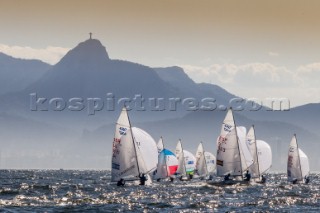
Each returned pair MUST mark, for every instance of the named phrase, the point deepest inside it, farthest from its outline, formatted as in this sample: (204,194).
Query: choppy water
(91,191)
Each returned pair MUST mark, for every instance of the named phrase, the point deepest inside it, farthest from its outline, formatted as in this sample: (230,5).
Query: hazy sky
(253,48)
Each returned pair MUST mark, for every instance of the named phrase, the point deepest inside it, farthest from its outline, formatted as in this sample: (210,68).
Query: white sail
(210,162)
(252,145)
(201,166)
(294,166)
(228,124)
(190,162)
(264,156)
(124,158)
(228,155)
(160,145)
(246,157)
(147,152)
(167,164)
(304,161)
(180,156)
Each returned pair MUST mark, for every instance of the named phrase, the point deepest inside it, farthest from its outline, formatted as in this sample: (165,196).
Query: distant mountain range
(17,74)
(85,140)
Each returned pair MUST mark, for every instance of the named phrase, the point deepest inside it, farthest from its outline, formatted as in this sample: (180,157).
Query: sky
(254,49)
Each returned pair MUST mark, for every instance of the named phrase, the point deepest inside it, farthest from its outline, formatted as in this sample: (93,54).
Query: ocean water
(91,191)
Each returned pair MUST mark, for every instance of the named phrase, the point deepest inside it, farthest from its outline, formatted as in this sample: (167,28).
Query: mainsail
(124,157)
(228,150)
(205,161)
(252,145)
(186,160)
(261,154)
(180,155)
(298,163)
(201,166)
(245,155)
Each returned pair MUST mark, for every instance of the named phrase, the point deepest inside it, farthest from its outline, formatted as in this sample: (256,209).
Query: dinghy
(261,154)
(205,163)
(186,162)
(232,156)
(298,163)
(134,151)
(167,163)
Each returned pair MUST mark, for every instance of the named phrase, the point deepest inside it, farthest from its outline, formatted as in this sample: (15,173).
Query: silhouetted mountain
(177,78)
(88,72)
(304,116)
(17,74)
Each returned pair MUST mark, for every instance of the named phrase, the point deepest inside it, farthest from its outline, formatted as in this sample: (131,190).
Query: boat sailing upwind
(134,151)
(167,162)
(261,154)
(298,162)
(186,161)
(232,156)
(205,162)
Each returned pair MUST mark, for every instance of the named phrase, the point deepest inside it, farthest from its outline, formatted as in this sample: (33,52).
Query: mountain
(40,117)
(86,72)
(177,78)
(304,116)
(17,74)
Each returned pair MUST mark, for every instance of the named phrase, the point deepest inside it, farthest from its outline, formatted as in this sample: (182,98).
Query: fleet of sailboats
(239,153)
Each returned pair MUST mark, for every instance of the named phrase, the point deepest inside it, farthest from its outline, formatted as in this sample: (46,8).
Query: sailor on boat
(247,176)
(142,180)
(121,182)
(263,179)
(306,179)
(227,177)
(294,181)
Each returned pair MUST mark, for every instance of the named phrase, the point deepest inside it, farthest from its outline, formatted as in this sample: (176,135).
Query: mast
(234,123)
(133,141)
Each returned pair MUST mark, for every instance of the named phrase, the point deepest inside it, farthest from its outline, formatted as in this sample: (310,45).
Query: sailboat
(261,154)
(232,156)
(298,163)
(186,162)
(167,162)
(205,162)
(167,165)
(134,151)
